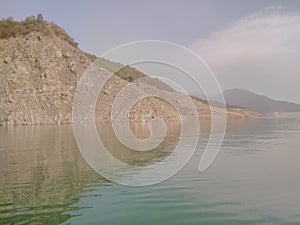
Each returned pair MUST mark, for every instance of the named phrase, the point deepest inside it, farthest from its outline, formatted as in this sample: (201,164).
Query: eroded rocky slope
(39,74)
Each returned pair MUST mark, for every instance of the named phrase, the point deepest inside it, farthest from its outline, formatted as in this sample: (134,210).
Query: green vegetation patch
(125,72)
(10,28)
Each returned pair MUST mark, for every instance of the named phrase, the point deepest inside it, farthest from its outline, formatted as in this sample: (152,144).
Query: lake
(254,180)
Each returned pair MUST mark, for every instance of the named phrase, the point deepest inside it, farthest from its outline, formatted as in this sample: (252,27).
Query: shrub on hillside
(10,28)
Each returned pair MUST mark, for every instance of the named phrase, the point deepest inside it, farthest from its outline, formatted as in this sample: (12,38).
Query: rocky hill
(126,72)
(258,103)
(39,71)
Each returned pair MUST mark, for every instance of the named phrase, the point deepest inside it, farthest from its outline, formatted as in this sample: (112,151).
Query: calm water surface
(255,180)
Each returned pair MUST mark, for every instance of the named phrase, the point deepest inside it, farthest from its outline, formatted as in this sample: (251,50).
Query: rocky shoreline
(39,75)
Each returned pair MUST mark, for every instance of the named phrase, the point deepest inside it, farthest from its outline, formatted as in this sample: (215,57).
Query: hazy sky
(249,44)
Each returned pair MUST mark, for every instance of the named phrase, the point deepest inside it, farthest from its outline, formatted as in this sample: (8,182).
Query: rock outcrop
(38,77)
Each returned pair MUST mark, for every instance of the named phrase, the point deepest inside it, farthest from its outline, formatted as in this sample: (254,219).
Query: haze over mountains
(256,102)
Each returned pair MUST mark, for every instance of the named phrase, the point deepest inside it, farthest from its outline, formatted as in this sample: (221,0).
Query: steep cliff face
(39,75)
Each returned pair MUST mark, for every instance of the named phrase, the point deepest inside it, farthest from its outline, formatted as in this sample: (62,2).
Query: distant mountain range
(255,102)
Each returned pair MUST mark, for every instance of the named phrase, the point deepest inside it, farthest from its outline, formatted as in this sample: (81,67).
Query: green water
(255,180)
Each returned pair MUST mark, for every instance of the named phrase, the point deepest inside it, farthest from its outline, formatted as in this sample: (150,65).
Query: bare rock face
(37,83)
(39,75)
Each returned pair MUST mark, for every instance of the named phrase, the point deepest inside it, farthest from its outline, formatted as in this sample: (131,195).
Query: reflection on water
(40,171)
(132,157)
(255,179)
